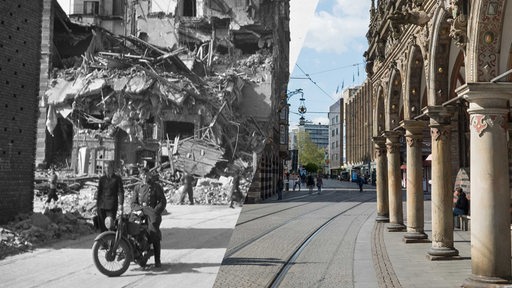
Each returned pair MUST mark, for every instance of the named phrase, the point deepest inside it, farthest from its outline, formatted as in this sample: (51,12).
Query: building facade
(319,133)
(439,76)
(336,137)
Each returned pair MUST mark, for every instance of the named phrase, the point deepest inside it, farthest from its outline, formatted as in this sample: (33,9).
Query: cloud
(340,29)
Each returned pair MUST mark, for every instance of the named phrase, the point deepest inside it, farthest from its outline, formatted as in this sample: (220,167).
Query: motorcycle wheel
(111,267)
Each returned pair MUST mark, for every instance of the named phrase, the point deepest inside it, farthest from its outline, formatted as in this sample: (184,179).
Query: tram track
(278,278)
(233,250)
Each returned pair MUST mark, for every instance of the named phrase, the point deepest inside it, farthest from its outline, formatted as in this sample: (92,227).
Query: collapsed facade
(203,99)
(439,87)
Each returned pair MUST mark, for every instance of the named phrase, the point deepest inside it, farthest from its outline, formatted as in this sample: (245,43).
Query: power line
(309,77)
(337,68)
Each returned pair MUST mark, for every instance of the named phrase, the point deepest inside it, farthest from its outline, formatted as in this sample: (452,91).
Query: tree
(309,152)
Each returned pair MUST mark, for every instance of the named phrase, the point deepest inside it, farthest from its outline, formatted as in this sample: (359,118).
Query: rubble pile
(126,85)
(27,231)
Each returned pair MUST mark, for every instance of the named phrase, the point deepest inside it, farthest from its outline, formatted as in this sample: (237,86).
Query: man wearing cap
(110,193)
(149,198)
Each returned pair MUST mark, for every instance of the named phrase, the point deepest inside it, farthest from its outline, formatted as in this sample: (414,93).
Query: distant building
(319,133)
(335,137)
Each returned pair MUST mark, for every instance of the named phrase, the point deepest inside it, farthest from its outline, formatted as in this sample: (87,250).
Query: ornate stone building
(439,73)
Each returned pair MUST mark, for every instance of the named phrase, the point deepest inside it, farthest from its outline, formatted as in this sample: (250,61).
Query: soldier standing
(149,198)
(110,193)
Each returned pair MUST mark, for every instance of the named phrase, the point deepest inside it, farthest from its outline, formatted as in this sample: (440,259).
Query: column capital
(392,136)
(488,104)
(379,141)
(486,98)
(413,126)
(392,141)
(440,115)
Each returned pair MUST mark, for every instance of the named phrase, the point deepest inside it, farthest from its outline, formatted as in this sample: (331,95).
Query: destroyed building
(198,90)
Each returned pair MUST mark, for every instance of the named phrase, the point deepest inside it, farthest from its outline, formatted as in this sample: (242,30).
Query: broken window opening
(60,145)
(176,128)
(91,7)
(146,158)
(248,48)
(189,8)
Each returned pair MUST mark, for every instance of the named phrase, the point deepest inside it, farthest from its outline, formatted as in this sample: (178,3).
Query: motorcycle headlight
(109,223)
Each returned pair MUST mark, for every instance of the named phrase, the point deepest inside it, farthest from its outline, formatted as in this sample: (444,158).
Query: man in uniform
(110,193)
(188,189)
(149,198)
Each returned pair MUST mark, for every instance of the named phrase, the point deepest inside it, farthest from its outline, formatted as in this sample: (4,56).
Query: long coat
(151,200)
(110,192)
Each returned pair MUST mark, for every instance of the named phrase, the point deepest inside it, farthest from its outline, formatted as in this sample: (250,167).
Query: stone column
(442,184)
(396,214)
(490,195)
(382,179)
(415,208)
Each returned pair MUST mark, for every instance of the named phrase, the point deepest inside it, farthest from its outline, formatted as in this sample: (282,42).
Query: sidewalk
(410,266)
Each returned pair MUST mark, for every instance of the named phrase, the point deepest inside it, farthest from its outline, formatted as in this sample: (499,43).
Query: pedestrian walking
(310,182)
(360,182)
(236,195)
(188,189)
(109,195)
(280,186)
(319,183)
(296,181)
(52,194)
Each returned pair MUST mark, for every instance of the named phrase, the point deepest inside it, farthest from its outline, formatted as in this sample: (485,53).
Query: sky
(327,43)
(331,54)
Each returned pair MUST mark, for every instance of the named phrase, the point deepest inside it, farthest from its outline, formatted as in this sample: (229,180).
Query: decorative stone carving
(480,122)
(409,15)
(458,31)
(380,151)
(440,133)
(423,39)
(393,148)
(381,49)
(458,19)
(414,141)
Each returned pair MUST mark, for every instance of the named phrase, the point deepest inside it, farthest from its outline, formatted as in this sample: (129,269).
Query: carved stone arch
(413,83)
(379,116)
(394,101)
(458,77)
(439,59)
(485,26)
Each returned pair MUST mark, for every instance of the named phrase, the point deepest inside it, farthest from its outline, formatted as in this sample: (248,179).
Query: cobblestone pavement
(259,249)
(352,251)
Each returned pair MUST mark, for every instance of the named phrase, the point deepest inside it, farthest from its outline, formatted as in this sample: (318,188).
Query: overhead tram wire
(337,68)
(309,77)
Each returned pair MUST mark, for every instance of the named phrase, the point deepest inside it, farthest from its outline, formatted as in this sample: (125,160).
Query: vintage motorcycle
(114,250)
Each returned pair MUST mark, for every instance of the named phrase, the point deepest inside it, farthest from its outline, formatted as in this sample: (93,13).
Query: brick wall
(20,43)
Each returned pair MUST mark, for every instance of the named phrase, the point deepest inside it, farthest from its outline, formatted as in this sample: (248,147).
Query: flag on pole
(343,84)
(337,89)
